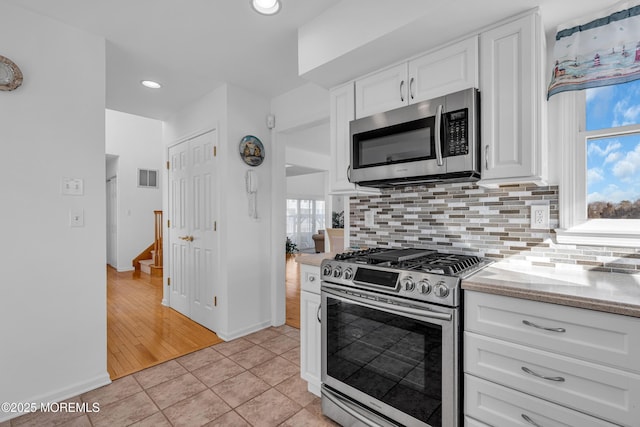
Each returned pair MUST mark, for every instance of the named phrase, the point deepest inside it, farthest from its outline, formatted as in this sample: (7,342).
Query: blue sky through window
(613,164)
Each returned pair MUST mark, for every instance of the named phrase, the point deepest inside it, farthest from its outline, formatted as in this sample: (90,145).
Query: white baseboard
(242,332)
(62,394)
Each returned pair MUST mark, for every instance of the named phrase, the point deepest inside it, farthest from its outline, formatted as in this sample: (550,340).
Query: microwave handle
(438,131)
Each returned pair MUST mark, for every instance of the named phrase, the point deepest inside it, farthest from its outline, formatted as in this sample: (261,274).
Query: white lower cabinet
(500,406)
(310,331)
(520,367)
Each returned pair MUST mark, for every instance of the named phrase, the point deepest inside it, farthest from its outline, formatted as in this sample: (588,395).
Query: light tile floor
(250,381)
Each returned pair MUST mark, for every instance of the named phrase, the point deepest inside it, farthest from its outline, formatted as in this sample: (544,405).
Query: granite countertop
(314,259)
(610,292)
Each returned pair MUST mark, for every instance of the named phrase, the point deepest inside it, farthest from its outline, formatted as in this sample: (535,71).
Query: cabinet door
(444,71)
(512,99)
(310,346)
(341,112)
(382,91)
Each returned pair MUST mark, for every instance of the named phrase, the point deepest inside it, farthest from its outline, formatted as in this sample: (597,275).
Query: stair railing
(157,244)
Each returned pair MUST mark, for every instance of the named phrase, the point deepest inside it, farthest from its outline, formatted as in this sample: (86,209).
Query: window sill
(602,232)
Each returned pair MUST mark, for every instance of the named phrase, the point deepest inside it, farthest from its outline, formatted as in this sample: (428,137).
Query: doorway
(112,210)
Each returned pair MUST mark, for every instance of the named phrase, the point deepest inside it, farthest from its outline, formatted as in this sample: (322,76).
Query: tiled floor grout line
(260,371)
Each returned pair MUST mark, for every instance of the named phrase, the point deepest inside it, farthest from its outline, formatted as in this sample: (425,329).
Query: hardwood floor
(293,292)
(141,332)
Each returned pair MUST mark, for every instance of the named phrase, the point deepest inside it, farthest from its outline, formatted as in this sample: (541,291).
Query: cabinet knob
(312,278)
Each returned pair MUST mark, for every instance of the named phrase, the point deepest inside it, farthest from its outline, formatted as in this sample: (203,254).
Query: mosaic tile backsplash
(464,218)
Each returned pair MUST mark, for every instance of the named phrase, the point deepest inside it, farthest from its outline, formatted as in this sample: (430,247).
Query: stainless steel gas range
(391,337)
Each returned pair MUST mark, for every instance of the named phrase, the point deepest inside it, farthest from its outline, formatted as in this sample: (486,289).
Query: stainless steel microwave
(430,141)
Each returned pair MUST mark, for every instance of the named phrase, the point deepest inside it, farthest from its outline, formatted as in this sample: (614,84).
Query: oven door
(389,356)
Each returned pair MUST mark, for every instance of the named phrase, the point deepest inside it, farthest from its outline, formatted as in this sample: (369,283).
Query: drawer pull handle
(312,278)
(535,374)
(318,313)
(530,421)
(533,325)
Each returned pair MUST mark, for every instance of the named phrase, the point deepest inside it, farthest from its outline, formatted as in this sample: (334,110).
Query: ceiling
(194,46)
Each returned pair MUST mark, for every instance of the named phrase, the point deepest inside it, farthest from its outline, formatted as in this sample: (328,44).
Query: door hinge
(168,281)
(167,164)
(215,225)
(215,151)
(215,301)
(168,223)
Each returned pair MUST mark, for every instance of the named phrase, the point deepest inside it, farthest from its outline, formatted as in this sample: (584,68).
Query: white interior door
(202,213)
(178,228)
(192,231)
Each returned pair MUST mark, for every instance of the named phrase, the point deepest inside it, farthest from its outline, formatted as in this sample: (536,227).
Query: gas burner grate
(450,265)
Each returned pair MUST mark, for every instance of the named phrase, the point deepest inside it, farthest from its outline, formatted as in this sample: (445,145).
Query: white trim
(62,394)
(603,232)
(245,331)
(575,228)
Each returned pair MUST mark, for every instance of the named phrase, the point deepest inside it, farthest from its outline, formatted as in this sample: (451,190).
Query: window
(304,219)
(613,157)
(600,180)
(147,178)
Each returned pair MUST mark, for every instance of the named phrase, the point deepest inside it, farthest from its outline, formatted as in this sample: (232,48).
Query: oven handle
(348,408)
(394,309)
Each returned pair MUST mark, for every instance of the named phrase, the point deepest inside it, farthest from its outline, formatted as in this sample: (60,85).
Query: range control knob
(424,287)
(337,272)
(348,274)
(326,271)
(407,284)
(441,290)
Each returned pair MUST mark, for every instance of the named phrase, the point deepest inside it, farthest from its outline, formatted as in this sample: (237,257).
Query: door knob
(187,238)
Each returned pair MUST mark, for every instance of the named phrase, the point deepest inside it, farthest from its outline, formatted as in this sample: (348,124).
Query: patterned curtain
(598,50)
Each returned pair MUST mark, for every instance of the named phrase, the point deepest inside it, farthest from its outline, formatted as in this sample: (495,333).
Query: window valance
(598,51)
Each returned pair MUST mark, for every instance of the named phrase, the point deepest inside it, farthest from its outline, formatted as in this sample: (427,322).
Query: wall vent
(147,178)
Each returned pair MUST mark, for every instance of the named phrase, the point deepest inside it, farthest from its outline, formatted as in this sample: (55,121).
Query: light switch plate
(72,186)
(540,217)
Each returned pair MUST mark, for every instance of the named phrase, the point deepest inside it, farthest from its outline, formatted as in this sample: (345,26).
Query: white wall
(244,301)
(138,143)
(300,108)
(53,293)
(310,186)
(248,241)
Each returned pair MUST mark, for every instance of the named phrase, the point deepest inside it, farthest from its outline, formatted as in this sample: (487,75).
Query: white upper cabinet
(341,112)
(512,103)
(382,91)
(437,73)
(444,71)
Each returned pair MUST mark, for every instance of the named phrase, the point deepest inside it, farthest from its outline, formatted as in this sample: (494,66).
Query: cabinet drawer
(599,337)
(470,422)
(310,278)
(500,406)
(598,390)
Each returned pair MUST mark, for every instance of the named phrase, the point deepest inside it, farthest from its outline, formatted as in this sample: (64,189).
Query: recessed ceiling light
(266,7)
(151,84)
